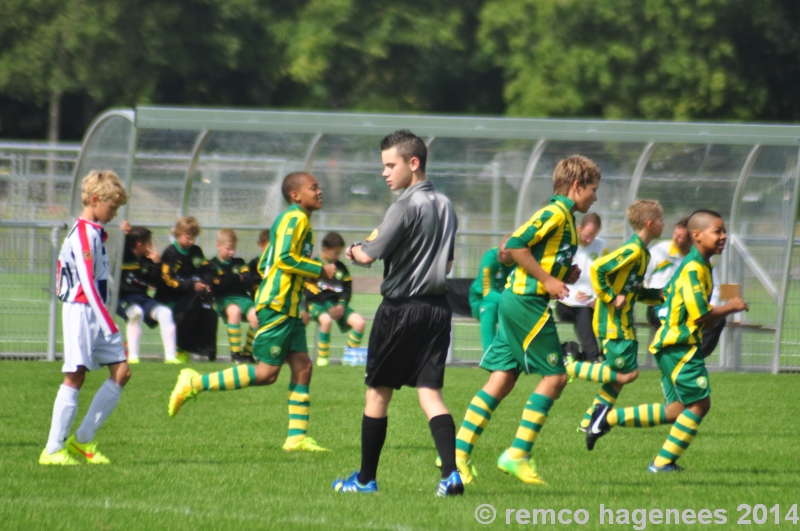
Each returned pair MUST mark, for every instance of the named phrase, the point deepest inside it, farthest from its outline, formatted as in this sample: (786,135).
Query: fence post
(55,240)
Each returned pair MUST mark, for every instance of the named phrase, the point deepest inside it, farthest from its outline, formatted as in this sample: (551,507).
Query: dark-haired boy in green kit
(281,336)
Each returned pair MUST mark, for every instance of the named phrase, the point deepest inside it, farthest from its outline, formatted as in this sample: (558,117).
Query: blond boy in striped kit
(676,349)
(617,278)
(281,336)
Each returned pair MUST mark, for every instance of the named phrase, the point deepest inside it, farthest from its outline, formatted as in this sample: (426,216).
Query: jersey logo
(593,256)
(537,224)
(275,352)
(552,359)
(235,270)
(702,383)
(87,255)
(373,235)
(338,275)
(196,261)
(619,362)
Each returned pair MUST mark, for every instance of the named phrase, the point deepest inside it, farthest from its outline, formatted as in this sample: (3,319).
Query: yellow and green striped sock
(479,413)
(299,405)
(235,338)
(607,395)
(644,416)
(237,377)
(680,437)
(324,344)
(248,345)
(354,339)
(591,372)
(533,418)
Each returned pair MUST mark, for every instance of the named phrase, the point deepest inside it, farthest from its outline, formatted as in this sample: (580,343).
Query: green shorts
(527,339)
(315,310)
(684,377)
(244,304)
(277,336)
(622,355)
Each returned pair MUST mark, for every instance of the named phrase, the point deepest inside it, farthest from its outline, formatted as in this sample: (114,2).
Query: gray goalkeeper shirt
(415,242)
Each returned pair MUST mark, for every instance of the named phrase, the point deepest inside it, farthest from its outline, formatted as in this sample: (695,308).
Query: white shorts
(84,341)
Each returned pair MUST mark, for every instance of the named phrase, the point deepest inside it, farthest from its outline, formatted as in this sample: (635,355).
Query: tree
(655,59)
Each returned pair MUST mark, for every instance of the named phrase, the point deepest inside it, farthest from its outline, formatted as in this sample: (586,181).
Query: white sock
(134,329)
(64,410)
(166,325)
(103,404)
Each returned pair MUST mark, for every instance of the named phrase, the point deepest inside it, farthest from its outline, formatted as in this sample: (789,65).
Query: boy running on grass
(281,336)
(617,279)
(527,340)
(677,351)
(91,339)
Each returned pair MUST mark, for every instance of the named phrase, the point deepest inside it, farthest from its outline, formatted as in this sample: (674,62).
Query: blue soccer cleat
(669,467)
(352,484)
(452,486)
(598,426)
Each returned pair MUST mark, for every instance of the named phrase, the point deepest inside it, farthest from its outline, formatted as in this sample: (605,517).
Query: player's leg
(166,326)
(233,320)
(541,352)
(133,331)
(65,408)
(299,402)
(356,333)
(324,337)
(252,320)
(488,322)
(608,371)
(621,358)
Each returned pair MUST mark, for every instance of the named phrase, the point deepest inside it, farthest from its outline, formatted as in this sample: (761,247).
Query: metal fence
(225,167)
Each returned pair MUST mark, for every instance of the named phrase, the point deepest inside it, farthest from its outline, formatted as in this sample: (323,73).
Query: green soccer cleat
(466,469)
(87,451)
(61,457)
(133,360)
(182,392)
(306,444)
(183,357)
(174,361)
(322,361)
(524,469)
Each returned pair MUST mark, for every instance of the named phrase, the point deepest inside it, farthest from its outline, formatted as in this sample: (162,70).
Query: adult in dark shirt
(411,332)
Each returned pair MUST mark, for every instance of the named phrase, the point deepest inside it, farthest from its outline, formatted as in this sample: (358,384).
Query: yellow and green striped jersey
(687,296)
(550,235)
(288,261)
(620,273)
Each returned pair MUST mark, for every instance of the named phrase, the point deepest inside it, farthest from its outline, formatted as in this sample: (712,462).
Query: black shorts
(408,343)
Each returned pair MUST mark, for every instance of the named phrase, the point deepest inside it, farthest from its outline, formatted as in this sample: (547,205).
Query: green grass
(219,463)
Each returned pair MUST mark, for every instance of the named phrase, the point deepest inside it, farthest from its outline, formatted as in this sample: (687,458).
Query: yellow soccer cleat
(87,451)
(466,469)
(174,361)
(322,361)
(183,357)
(133,360)
(61,457)
(182,392)
(522,469)
(306,444)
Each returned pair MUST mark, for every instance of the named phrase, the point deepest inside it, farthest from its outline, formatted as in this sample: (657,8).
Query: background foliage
(63,61)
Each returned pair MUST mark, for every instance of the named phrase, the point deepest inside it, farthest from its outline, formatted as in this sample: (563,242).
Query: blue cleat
(452,486)
(669,467)
(352,484)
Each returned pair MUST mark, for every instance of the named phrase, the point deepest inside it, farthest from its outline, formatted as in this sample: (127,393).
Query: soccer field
(219,463)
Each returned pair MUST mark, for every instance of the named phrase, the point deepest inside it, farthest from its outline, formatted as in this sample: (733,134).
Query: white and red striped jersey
(83,271)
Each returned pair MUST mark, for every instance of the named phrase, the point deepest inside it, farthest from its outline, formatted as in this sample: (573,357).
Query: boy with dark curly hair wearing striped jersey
(618,278)
(281,336)
(527,340)
(677,349)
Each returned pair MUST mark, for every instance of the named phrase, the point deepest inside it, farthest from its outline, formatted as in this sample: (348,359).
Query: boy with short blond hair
(617,279)
(184,271)
(230,285)
(91,339)
(677,349)
(281,336)
(329,300)
(527,340)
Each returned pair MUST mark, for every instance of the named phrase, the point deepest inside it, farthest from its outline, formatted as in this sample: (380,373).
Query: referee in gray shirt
(410,335)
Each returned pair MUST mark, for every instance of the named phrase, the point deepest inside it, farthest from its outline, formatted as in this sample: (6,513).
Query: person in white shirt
(578,307)
(665,258)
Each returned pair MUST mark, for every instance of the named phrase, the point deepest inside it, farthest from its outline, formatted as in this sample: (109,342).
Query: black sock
(373,434)
(443,430)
